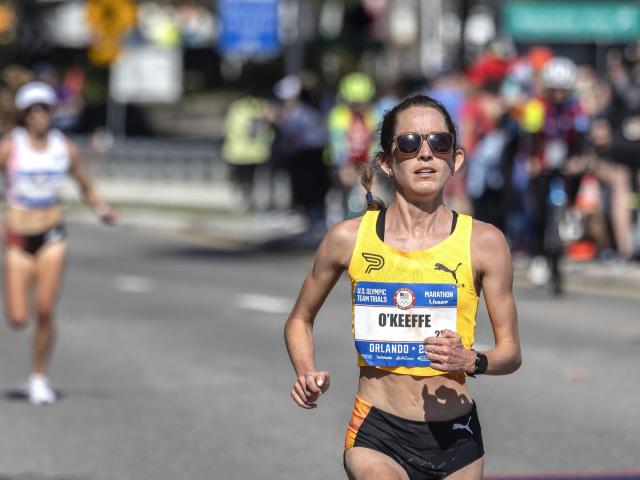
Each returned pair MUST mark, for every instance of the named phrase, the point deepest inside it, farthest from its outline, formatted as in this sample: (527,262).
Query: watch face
(481,362)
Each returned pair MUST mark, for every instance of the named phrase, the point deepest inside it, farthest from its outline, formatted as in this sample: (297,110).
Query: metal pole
(294,52)
(431,48)
(462,49)
(116,114)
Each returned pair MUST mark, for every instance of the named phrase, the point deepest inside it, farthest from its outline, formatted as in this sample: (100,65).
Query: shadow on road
(36,476)
(199,248)
(20,395)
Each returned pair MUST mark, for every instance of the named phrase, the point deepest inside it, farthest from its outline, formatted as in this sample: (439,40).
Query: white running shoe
(40,392)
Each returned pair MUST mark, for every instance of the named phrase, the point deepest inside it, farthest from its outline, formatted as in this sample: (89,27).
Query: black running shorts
(426,450)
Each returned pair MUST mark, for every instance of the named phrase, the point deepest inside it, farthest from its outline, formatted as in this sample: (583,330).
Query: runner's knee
(45,316)
(17,321)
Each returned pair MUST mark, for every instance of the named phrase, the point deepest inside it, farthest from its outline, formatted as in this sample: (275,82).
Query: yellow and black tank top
(400,298)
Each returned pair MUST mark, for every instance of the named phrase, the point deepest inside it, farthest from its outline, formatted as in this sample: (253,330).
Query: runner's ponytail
(366,179)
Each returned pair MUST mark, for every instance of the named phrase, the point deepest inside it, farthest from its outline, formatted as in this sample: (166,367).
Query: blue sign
(393,354)
(248,27)
(405,295)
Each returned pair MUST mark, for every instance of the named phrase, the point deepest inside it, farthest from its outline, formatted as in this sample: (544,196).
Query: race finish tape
(392,320)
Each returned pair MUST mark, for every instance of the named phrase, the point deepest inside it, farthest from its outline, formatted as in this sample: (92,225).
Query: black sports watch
(481,364)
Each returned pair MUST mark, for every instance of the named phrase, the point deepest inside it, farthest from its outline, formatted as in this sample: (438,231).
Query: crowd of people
(553,148)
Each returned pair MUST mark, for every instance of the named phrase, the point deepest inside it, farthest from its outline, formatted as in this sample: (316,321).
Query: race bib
(36,189)
(392,320)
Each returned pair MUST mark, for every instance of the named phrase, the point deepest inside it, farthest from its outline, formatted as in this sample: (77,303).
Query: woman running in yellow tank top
(416,271)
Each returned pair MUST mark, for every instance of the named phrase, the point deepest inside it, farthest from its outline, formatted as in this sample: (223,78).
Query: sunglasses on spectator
(411,143)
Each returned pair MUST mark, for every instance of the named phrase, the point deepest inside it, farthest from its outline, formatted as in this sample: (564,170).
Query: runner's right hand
(309,387)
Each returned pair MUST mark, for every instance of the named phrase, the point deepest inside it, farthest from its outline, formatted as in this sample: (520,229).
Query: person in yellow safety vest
(248,139)
(352,124)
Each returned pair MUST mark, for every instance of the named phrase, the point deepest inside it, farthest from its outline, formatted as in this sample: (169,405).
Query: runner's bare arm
(106,212)
(331,260)
(494,272)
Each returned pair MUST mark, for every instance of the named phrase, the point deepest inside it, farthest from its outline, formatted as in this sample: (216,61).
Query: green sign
(571,21)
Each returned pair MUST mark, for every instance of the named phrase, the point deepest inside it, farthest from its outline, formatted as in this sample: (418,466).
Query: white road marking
(133,284)
(264,303)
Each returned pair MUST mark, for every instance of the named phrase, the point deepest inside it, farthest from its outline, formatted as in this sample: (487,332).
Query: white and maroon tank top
(33,177)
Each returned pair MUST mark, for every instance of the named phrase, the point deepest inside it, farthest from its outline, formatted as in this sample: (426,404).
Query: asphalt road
(171,364)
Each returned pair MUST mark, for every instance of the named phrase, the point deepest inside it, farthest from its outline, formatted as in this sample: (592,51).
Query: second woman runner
(35,159)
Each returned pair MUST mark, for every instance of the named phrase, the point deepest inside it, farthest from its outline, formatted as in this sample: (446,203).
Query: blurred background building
(171,60)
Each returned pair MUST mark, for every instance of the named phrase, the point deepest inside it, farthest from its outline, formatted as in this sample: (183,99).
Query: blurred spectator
(352,124)
(491,164)
(515,91)
(594,97)
(247,143)
(390,95)
(447,87)
(480,115)
(71,98)
(7,120)
(554,127)
(298,146)
(13,77)
(616,136)
(537,57)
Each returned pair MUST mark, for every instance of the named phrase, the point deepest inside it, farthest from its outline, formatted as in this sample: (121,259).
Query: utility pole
(292,37)
(462,49)
(431,42)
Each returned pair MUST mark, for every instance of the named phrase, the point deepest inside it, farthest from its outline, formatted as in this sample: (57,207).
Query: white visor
(34,93)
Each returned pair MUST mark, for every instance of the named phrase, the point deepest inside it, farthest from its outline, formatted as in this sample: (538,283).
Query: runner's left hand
(447,353)
(107,214)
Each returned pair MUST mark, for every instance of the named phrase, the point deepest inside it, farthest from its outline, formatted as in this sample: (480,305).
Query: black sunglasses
(411,143)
